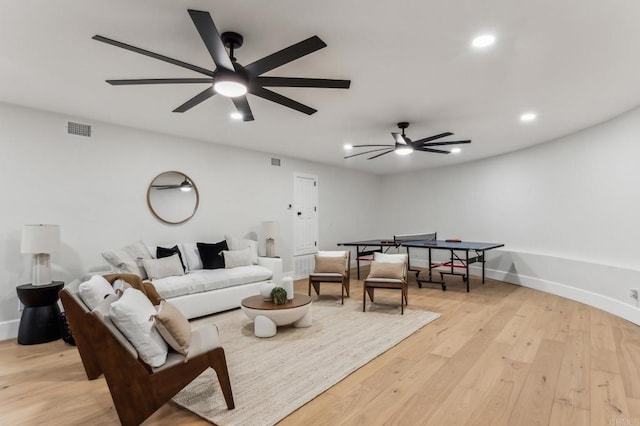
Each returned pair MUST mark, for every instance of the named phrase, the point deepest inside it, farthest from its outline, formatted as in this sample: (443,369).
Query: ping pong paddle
(454,240)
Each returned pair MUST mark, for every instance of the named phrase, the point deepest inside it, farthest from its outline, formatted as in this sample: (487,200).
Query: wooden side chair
(387,271)
(331,267)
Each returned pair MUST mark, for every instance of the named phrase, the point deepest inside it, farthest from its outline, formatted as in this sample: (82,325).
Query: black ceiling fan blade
(153,55)
(366,152)
(200,97)
(446,143)
(242,105)
(436,151)
(282,100)
(284,56)
(376,156)
(363,146)
(302,82)
(399,139)
(431,138)
(211,38)
(159,81)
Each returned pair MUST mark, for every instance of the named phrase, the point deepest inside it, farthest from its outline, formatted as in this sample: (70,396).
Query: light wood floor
(500,355)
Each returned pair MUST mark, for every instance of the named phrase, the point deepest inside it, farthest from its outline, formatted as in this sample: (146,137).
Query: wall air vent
(78,129)
(275,162)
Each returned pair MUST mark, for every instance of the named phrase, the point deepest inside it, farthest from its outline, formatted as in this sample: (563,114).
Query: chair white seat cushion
(384,280)
(203,339)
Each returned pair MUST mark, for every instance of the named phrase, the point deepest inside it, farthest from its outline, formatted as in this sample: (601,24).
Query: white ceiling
(574,62)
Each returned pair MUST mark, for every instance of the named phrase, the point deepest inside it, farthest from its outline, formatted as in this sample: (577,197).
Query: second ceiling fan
(403,145)
(229,77)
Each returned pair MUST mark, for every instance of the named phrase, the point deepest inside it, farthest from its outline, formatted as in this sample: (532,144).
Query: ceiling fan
(231,79)
(404,146)
(184,186)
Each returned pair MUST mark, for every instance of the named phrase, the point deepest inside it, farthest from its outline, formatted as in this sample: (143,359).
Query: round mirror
(173,197)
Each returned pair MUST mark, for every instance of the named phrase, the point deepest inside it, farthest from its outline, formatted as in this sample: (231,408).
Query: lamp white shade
(270,229)
(40,238)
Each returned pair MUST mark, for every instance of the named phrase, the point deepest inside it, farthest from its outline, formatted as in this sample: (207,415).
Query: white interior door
(305,214)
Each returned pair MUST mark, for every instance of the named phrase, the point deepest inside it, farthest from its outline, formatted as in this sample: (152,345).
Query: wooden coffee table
(267,316)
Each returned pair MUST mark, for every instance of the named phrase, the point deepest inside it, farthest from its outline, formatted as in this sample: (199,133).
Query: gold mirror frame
(168,179)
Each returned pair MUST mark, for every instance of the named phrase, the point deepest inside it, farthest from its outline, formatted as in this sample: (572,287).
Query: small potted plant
(279,295)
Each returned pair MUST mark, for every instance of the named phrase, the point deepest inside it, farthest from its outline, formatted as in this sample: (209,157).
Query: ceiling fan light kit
(230,79)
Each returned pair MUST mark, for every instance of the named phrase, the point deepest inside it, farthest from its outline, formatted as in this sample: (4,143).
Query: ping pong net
(399,239)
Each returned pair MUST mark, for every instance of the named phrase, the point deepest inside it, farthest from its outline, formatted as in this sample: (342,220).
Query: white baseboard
(590,275)
(605,303)
(9,329)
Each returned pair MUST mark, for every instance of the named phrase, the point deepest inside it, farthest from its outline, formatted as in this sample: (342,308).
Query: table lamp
(40,240)
(270,232)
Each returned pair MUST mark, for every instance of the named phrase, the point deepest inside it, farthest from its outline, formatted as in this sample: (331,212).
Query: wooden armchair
(137,389)
(387,271)
(77,312)
(331,267)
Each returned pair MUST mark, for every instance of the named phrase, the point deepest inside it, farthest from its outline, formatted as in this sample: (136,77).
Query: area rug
(273,377)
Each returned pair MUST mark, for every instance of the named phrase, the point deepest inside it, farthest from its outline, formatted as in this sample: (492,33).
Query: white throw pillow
(235,258)
(163,267)
(94,291)
(242,243)
(191,256)
(389,258)
(132,314)
(128,259)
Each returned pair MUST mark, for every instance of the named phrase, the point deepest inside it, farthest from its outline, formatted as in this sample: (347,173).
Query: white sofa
(201,291)
(206,291)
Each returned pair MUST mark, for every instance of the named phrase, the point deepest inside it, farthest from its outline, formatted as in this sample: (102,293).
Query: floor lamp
(270,232)
(40,240)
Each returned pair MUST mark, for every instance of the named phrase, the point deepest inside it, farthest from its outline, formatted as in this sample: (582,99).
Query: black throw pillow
(168,252)
(211,254)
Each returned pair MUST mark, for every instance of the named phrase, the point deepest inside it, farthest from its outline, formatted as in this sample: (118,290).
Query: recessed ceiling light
(456,150)
(484,40)
(236,115)
(348,146)
(528,116)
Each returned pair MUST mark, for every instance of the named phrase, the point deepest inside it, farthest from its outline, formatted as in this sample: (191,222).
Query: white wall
(568,212)
(95,189)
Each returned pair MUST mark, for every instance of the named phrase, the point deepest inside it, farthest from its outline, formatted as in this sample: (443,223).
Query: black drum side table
(40,321)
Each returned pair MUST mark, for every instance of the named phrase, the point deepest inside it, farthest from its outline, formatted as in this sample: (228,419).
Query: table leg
(264,327)
(358,260)
(482,254)
(305,321)
(466,261)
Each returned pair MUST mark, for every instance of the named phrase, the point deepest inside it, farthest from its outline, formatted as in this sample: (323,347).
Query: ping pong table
(459,258)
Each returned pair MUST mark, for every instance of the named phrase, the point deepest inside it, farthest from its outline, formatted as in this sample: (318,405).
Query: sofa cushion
(211,254)
(94,291)
(330,264)
(242,243)
(235,258)
(192,256)
(210,279)
(392,270)
(127,259)
(163,267)
(174,327)
(132,314)
(167,252)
